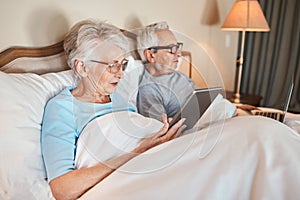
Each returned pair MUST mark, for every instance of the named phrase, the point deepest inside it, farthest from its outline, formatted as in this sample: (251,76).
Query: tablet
(195,105)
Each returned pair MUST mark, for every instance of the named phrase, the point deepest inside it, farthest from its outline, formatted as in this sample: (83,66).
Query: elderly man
(162,89)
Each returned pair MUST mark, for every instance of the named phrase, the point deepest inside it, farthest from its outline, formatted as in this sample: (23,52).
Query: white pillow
(129,84)
(23,98)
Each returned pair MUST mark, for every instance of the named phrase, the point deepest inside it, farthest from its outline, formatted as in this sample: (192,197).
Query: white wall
(196,22)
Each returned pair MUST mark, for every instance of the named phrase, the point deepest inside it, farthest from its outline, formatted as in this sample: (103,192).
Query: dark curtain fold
(272,59)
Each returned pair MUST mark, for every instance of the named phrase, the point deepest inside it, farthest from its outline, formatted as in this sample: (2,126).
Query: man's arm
(150,102)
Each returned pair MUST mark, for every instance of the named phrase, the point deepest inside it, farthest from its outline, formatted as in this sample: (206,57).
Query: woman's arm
(76,182)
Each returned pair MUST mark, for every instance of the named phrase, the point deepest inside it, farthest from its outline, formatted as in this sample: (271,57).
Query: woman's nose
(120,73)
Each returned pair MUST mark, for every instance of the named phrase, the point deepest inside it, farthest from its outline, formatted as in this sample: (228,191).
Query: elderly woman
(95,52)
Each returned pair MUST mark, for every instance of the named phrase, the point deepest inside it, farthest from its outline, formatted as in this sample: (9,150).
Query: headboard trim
(15,52)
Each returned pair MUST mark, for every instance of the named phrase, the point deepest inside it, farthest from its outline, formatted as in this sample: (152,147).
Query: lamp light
(245,15)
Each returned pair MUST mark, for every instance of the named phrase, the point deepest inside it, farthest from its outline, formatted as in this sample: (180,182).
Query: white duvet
(246,157)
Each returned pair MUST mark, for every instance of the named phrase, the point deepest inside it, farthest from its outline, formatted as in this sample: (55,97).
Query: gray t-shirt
(163,94)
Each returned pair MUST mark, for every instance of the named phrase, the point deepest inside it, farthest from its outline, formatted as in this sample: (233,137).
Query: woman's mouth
(114,84)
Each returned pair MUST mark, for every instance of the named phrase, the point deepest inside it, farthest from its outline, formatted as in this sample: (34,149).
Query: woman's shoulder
(58,106)
(61,97)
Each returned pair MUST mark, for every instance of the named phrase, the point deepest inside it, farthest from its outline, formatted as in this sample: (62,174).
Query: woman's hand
(247,107)
(163,135)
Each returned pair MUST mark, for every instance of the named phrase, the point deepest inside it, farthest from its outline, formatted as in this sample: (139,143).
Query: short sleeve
(58,138)
(150,102)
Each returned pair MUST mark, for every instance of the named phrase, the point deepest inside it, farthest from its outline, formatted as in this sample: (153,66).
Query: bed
(244,157)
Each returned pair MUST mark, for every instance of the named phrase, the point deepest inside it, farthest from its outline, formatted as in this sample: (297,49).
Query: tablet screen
(195,105)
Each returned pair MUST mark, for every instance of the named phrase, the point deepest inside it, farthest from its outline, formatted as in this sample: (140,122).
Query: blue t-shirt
(64,119)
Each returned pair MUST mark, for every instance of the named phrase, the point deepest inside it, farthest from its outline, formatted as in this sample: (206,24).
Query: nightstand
(246,98)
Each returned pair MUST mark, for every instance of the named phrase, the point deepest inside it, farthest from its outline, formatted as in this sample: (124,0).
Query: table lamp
(245,15)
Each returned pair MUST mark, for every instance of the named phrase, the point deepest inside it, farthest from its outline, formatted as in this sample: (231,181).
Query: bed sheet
(246,157)
(291,120)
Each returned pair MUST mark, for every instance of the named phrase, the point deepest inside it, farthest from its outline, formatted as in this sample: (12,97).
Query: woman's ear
(149,56)
(81,69)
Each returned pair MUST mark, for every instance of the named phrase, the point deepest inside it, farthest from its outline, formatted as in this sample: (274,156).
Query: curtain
(272,59)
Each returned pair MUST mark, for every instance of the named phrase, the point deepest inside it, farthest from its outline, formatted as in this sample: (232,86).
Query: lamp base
(236,98)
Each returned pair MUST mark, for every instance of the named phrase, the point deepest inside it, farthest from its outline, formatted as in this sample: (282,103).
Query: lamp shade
(246,15)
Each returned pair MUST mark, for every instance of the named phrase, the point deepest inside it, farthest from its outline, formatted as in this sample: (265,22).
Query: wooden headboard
(40,60)
(13,53)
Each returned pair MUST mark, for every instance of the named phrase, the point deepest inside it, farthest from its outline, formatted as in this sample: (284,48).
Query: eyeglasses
(113,67)
(173,48)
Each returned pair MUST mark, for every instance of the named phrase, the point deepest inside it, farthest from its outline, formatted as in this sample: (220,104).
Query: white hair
(86,35)
(147,37)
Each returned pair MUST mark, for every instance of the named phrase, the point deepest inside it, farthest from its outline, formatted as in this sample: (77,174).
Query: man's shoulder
(184,78)
(145,78)
(182,75)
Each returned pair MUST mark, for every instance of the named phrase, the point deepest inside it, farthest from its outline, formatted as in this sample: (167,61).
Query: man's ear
(81,68)
(149,56)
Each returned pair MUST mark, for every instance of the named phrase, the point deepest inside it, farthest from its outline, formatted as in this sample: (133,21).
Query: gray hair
(86,35)
(147,37)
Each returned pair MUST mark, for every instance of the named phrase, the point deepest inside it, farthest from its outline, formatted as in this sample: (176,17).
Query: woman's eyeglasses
(113,67)
(173,48)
